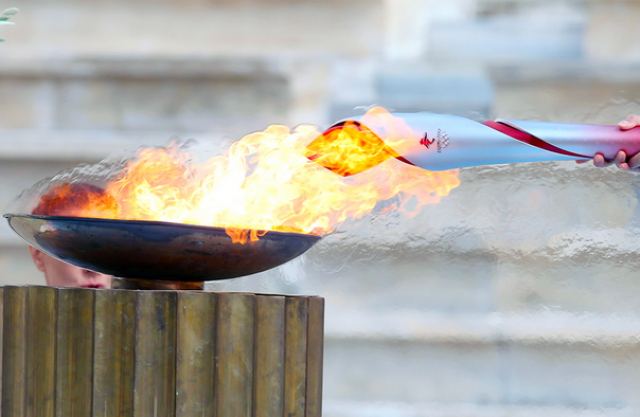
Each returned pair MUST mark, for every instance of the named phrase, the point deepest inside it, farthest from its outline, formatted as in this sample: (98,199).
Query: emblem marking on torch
(441,140)
(425,141)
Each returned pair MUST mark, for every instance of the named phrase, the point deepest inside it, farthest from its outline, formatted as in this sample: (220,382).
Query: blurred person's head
(66,200)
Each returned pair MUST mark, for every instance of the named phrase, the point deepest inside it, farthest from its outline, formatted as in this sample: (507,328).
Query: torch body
(440,142)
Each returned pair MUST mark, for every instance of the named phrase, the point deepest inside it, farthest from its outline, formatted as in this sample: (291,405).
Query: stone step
(453,374)
(553,361)
(40,146)
(233,96)
(538,32)
(196,27)
(452,91)
(572,91)
(550,328)
(374,408)
(176,95)
(135,95)
(474,283)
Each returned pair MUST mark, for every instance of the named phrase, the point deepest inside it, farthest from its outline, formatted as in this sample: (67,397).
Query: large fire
(264,182)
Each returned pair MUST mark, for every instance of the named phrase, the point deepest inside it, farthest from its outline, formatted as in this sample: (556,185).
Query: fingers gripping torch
(440,142)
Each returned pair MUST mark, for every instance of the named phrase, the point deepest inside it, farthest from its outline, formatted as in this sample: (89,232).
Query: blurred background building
(517,295)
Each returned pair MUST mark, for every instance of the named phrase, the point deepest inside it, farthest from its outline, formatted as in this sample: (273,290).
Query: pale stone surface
(224,96)
(196,28)
(530,32)
(410,24)
(613,32)
(436,409)
(482,374)
(567,92)
(462,91)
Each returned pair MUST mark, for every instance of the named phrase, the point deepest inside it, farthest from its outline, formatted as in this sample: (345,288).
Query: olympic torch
(441,142)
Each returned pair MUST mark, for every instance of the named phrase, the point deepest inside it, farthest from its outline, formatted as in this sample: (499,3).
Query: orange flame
(265,182)
(352,147)
(76,200)
(349,149)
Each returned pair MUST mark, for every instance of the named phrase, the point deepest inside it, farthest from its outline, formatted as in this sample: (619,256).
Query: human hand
(622,160)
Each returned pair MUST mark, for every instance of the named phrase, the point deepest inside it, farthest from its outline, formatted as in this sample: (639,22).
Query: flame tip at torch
(438,142)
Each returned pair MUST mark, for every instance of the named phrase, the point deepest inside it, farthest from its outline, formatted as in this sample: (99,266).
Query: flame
(77,200)
(265,182)
(348,149)
(352,147)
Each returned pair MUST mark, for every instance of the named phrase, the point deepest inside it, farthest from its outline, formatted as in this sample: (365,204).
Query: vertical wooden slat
(269,356)
(195,355)
(40,356)
(113,353)
(295,357)
(74,357)
(14,349)
(155,354)
(234,355)
(315,349)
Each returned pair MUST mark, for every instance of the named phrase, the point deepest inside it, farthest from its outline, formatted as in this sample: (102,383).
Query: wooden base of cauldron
(120,353)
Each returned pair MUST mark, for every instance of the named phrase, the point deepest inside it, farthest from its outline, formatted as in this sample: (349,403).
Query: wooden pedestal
(122,353)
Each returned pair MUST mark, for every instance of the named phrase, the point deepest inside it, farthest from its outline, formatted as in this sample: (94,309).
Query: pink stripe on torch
(529,139)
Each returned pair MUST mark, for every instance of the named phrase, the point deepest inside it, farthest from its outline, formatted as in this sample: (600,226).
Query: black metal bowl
(156,250)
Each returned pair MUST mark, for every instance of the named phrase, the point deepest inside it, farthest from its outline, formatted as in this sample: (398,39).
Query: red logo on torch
(441,140)
(426,142)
